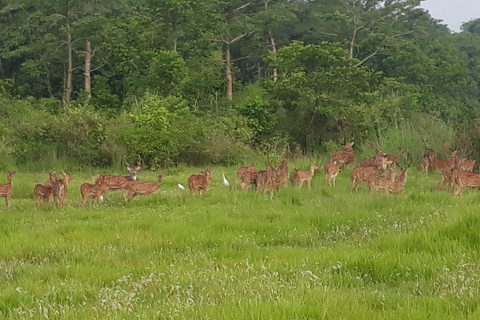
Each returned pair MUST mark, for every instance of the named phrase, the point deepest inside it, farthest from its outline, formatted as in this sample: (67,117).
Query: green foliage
(160,129)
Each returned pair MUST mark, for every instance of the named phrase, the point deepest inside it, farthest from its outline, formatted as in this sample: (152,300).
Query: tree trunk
(88,73)
(274,49)
(68,84)
(228,67)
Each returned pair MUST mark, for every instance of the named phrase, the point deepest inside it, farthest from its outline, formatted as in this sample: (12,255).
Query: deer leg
(7,200)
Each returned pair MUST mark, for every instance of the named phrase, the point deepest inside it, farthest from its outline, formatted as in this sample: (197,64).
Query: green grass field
(324,253)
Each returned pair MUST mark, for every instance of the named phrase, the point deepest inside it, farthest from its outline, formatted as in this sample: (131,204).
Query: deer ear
(129,169)
(352,143)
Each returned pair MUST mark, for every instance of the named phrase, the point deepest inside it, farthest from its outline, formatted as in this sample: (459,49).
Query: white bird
(181,187)
(225,181)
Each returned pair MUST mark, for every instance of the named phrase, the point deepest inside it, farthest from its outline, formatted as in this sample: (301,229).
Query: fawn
(332,168)
(96,191)
(300,176)
(200,182)
(6,189)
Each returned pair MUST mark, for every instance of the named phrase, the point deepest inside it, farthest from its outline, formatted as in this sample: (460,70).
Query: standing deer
(52,178)
(332,168)
(246,176)
(428,155)
(344,156)
(140,187)
(284,172)
(378,182)
(400,180)
(6,189)
(300,176)
(42,192)
(119,182)
(96,191)
(200,182)
(60,188)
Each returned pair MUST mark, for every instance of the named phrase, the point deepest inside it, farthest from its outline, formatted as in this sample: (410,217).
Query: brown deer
(200,182)
(428,155)
(119,182)
(462,163)
(300,176)
(246,175)
(378,182)
(464,179)
(375,160)
(140,187)
(96,191)
(6,189)
(60,188)
(332,168)
(42,192)
(344,156)
(401,179)
(284,172)
(360,174)
(52,178)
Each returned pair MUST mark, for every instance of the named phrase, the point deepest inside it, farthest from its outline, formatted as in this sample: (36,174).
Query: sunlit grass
(324,253)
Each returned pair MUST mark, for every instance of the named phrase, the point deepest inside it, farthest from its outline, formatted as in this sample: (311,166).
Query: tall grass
(320,253)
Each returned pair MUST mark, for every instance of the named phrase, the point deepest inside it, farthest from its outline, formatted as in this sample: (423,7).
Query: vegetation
(324,252)
(178,81)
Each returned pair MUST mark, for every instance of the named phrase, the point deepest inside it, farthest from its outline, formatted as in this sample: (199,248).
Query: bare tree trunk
(228,67)
(68,84)
(352,42)
(88,73)
(274,49)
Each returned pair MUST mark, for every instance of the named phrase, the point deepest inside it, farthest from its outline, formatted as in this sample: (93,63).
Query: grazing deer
(464,179)
(344,156)
(140,187)
(119,182)
(300,176)
(246,176)
(360,174)
(200,182)
(96,191)
(42,192)
(6,189)
(332,168)
(60,188)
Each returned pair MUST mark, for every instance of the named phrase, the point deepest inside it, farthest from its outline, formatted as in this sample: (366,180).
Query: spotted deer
(52,178)
(332,168)
(283,172)
(344,156)
(60,188)
(135,188)
(401,179)
(42,192)
(200,182)
(378,182)
(463,179)
(246,176)
(95,191)
(300,176)
(375,160)
(360,174)
(119,182)
(6,189)
(428,155)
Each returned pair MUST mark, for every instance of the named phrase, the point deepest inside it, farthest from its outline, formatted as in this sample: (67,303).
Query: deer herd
(378,173)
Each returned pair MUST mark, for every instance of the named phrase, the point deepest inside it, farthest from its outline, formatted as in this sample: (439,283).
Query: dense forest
(195,82)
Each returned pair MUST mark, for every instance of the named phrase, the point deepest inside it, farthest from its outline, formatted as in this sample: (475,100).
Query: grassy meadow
(324,253)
